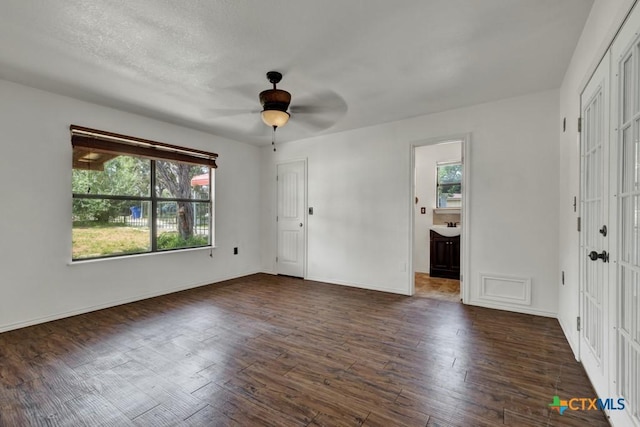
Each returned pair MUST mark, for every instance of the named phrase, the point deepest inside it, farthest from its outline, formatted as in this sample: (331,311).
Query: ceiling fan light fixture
(275,118)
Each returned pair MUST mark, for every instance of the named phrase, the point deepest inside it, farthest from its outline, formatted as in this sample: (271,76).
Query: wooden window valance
(92,148)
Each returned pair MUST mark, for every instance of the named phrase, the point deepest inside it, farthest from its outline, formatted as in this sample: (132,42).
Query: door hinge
(579,224)
(579,124)
(277,178)
(277,219)
(276,259)
(575,204)
(578,323)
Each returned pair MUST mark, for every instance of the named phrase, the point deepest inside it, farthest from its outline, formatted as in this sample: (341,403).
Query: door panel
(594,154)
(291,218)
(626,208)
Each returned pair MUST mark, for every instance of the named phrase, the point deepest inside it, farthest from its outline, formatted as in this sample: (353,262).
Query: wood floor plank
(211,417)
(122,394)
(280,393)
(267,350)
(95,410)
(32,403)
(158,416)
(165,392)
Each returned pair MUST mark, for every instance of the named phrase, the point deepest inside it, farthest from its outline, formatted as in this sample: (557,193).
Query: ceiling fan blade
(243,93)
(318,111)
(259,128)
(228,112)
(312,122)
(319,102)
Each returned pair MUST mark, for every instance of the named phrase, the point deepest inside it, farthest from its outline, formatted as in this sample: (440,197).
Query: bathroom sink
(445,231)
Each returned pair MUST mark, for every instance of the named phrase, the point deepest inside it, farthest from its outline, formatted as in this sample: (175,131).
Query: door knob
(300,224)
(603,230)
(594,256)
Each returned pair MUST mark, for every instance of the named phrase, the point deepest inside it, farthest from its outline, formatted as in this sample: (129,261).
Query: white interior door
(625,208)
(594,236)
(291,218)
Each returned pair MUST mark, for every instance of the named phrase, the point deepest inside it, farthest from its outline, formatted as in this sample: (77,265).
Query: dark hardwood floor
(277,351)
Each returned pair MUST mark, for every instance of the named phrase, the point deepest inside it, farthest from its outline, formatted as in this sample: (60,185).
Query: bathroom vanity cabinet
(445,256)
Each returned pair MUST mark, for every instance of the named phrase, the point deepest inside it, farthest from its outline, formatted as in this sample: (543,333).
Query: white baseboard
(359,285)
(514,308)
(567,335)
(57,316)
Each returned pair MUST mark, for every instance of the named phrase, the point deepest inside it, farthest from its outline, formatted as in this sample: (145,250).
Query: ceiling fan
(316,112)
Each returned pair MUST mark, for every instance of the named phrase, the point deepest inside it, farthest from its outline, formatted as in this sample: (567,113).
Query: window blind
(89,141)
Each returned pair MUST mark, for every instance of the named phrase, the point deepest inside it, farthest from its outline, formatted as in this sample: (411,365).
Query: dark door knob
(594,256)
(603,230)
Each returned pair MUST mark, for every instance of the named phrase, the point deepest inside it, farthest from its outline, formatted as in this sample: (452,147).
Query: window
(133,196)
(449,184)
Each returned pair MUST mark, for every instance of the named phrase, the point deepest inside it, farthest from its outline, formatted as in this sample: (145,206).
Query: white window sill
(446,211)
(146,254)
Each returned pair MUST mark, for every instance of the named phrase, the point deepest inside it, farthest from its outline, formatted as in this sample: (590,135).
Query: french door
(610,196)
(625,206)
(594,236)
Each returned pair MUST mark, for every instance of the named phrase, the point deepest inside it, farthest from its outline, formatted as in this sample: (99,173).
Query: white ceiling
(350,63)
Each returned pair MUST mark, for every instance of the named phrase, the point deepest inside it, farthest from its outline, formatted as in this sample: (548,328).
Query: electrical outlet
(235,251)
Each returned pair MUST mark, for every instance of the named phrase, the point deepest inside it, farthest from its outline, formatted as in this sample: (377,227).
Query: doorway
(438,215)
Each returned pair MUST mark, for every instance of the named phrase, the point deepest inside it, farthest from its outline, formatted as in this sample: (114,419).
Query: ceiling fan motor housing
(275,99)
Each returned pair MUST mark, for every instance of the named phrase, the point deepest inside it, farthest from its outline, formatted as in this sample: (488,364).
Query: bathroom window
(449,184)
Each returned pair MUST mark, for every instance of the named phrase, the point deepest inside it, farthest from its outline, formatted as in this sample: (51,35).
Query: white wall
(359,186)
(605,18)
(426,158)
(36,281)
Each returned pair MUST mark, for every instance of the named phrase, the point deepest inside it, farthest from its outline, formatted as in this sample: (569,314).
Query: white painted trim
(357,285)
(568,333)
(57,316)
(607,41)
(447,210)
(465,139)
(465,260)
(524,284)
(515,309)
(77,262)
(411,286)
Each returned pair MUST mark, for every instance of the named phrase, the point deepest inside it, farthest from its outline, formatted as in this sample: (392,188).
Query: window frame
(112,145)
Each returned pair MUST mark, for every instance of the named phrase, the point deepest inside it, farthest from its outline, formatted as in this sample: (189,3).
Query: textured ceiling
(347,64)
